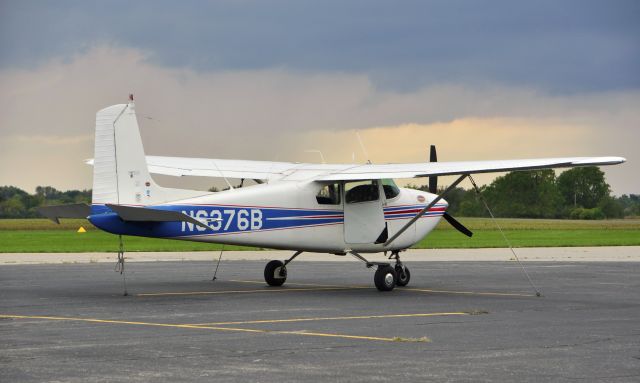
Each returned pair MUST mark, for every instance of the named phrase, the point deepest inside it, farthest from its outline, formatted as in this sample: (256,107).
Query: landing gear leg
(404,275)
(385,277)
(120,267)
(275,272)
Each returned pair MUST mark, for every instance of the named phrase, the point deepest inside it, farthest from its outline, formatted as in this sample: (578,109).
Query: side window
(391,190)
(361,191)
(329,195)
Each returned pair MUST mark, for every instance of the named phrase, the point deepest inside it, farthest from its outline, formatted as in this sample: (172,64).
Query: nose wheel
(404,275)
(402,271)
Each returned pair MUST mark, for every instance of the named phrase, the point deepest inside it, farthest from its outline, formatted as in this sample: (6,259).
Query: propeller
(433,189)
(460,227)
(433,180)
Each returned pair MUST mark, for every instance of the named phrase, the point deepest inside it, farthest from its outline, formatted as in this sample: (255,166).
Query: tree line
(578,193)
(17,203)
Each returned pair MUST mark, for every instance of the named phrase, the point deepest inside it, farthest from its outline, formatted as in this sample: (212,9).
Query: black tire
(404,276)
(385,278)
(270,273)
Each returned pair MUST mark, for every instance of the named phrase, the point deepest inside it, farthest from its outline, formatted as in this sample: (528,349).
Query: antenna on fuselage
(364,150)
(317,151)
(222,175)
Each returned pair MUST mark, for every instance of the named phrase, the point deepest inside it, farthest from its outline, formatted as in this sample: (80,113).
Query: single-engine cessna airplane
(335,209)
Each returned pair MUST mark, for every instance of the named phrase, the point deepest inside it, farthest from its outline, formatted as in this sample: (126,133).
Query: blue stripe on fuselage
(228,219)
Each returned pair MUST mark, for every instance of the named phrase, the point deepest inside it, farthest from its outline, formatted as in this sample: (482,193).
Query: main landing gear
(387,277)
(275,272)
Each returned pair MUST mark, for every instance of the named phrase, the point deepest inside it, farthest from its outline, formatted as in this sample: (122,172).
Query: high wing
(204,167)
(248,169)
(370,171)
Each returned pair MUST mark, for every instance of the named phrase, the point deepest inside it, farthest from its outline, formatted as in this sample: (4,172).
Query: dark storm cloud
(567,46)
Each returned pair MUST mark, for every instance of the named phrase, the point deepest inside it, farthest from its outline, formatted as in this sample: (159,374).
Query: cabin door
(363,212)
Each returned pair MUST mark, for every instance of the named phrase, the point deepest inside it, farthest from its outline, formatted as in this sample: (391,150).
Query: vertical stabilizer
(120,173)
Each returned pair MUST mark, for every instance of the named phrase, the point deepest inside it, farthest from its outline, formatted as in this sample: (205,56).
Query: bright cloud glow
(47,118)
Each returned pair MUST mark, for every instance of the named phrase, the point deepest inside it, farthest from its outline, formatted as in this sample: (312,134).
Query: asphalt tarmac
(456,321)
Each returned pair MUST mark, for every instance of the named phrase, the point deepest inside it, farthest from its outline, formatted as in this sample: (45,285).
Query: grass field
(40,235)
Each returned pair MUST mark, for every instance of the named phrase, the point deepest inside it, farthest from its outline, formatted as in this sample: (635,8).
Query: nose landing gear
(387,277)
(404,275)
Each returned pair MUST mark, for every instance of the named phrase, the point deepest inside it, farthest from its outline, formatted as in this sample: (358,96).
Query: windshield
(391,190)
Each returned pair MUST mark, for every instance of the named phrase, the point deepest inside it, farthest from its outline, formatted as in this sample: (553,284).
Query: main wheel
(404,275)
(275,273)
(385,278)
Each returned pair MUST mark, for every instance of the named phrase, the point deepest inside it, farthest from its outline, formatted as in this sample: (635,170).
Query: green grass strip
(35,236)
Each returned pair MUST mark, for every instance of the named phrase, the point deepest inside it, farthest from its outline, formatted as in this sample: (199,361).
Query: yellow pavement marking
(265,290)
(304,284)
(406,289)
(191,326)
(470,292)
(332,318)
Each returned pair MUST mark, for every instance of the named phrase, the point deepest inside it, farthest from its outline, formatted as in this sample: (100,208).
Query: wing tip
(597,161)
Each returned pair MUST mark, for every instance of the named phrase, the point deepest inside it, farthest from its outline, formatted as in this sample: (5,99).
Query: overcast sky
(272,80)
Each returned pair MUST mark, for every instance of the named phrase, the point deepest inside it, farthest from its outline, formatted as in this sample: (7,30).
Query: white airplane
(335,209)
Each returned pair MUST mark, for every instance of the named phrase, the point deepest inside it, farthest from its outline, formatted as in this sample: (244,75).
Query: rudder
(120,173)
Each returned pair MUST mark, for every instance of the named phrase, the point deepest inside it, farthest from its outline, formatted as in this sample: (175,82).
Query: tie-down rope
(493,218)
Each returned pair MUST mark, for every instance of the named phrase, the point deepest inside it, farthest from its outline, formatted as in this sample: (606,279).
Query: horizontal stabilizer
(143,214)
(55,212)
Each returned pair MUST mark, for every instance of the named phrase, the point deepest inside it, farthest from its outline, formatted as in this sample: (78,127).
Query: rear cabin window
(329,195)
(391,190)
(362,191)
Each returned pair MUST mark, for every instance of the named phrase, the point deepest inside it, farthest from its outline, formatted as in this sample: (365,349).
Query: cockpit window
(391,190)
(361,191)
(329,195)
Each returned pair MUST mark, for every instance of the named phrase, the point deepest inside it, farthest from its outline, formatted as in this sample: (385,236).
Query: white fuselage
(287,215)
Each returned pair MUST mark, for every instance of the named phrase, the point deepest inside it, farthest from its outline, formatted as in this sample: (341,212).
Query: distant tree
(611,207)
(590,214)
(471,205)
(531,194)
(17,203)
(583,187)
(7,192)
(630,204)
(11,205)
(454,197)
(12,208)
(47,192)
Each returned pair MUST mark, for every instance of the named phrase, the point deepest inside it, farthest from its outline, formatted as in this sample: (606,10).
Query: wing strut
(426,209)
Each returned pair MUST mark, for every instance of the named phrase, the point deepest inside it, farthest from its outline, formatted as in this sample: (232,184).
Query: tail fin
(120,173)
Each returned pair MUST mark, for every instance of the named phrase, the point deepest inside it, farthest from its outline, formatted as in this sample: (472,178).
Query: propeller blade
(433,180)
(460,227)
